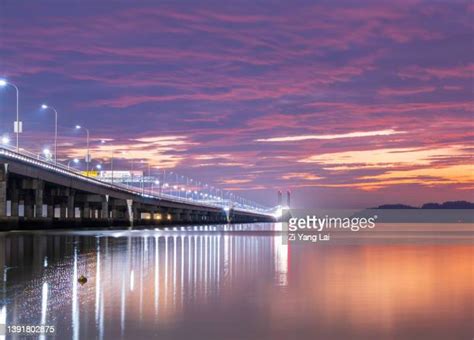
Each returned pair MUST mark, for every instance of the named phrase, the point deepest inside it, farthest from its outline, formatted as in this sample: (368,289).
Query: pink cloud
(405,91)
(427,73)
(221,78)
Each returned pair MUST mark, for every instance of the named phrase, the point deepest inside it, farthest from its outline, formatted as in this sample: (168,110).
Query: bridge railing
(50,164)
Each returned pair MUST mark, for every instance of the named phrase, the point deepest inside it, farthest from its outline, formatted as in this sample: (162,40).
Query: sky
(346,104)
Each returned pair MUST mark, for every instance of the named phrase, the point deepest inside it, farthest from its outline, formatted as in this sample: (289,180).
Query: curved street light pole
(88,154)
(17,117)
(112,166)
(44,106)
(3,82)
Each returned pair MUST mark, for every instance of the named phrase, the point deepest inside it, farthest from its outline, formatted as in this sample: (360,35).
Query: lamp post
(187,187)
(47,154)
(103,141)
(149,177)
(3,83)
(78,127)
(124,153)
(178,193)
(163,181)
(112,166)
(184,188)
(44,107)
(157,182)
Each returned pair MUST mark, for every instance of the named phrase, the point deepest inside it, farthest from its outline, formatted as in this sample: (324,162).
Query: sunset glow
(323,98)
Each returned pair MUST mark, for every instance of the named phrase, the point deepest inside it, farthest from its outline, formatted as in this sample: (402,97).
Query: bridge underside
(33,197)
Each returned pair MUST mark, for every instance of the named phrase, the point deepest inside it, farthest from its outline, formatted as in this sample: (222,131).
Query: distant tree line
(444,205)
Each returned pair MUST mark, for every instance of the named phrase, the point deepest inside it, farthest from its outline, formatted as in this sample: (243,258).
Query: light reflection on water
(235,282)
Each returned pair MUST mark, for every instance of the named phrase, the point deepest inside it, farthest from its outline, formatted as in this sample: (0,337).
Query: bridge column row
(39,202)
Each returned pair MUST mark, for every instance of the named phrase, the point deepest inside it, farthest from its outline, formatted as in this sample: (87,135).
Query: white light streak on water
(75,309)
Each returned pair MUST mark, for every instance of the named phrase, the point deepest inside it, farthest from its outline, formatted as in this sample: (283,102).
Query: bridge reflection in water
(135,279)
(235,282)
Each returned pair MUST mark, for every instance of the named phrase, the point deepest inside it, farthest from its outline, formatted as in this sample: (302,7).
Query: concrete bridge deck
(40,194)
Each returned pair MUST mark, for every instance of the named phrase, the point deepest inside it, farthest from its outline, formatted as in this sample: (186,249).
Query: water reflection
(208,281)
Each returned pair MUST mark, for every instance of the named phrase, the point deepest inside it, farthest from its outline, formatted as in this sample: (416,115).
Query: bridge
(36,192)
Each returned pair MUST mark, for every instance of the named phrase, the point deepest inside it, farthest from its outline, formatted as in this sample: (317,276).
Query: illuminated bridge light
(210,200)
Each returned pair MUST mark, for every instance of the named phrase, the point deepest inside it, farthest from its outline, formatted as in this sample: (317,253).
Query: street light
(47,153)
(5,140)
(75,160)
(4,83)
(78,127)
(45,107)
(157,182)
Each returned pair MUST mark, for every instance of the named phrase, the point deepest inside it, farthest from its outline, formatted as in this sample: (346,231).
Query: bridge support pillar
(62,210)
(70,204)
(15,198)
(211,217)
(176,215)
(3,190)
(136,213)
(114,213)
(39,198)
(196,216)
(104,212)
(29,204)
(50,210)
(86,210)
(130,212)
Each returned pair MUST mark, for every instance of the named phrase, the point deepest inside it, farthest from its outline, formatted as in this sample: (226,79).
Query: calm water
(239,282)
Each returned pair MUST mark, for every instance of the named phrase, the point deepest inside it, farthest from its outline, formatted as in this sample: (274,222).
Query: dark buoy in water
(82,279)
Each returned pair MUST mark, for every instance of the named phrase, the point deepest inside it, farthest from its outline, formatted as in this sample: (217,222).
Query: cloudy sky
(344,103)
